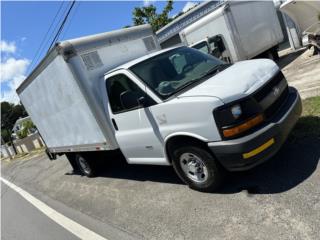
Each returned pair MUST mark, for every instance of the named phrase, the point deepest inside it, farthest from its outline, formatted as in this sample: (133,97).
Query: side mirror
(130,99)
(220,45)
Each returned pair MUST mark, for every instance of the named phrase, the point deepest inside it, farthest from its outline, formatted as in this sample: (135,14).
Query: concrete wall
(29,143)
(24,145)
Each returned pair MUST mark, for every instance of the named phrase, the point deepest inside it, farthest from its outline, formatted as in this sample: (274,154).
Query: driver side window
(116,86)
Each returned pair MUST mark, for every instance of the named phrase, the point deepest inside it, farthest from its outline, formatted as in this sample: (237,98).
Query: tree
(10,113)
(5,134)
(148,14)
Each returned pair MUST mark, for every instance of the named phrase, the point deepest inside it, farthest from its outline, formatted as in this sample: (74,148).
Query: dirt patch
(302,70)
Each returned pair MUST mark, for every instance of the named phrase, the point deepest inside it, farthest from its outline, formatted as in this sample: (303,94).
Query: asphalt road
(21,220)
(39,220)
(277,200)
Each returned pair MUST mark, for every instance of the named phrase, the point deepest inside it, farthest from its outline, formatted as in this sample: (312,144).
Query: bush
(26,127)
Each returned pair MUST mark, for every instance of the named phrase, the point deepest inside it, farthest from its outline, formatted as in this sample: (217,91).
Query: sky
(24,26)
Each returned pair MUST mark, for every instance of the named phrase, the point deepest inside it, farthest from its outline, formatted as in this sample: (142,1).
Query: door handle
(114,124)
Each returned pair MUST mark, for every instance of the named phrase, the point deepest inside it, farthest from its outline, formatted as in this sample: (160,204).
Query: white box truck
(237,30)
(179,106)
(306,15)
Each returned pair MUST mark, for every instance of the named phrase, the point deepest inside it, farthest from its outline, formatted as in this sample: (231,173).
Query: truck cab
(182,107)
(216,46)
(117,92)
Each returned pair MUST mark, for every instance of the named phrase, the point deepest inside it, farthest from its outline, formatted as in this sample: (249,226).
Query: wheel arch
(175,140)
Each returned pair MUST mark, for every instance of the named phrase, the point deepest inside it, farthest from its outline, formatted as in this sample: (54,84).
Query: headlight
(236,111)
(236,118)
(236,130)
(305,40)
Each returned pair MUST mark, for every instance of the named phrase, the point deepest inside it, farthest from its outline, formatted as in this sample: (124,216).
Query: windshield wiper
(187,84)
(216,69)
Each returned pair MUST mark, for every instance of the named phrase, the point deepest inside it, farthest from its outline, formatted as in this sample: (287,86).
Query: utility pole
(6,148)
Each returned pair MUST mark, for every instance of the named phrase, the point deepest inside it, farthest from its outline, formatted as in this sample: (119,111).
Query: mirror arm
(142,100)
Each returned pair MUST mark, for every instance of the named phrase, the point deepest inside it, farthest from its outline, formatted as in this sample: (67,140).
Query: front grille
(261,94)
(266,89)
(273,108)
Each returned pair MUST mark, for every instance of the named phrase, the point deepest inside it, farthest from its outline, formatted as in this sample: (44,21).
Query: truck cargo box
(247,28)
(63,93)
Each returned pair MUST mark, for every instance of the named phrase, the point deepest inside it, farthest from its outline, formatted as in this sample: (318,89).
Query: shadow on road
(119,168)
(289,58)
(293,164)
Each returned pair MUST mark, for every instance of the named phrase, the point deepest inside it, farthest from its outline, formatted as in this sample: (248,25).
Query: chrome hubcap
(194,167)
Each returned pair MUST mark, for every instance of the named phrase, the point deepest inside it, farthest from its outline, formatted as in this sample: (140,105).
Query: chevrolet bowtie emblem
(275,91)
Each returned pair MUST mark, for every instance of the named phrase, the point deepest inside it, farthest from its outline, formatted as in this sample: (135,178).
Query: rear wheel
(85,166)
(269,55)
(197,167)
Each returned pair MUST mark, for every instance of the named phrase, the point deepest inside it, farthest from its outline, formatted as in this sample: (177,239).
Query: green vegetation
(148,14)
(26,127)
(309,122)
(9,115)
(311,106)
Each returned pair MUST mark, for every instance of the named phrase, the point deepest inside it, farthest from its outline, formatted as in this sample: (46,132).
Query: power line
(37,55)
(61,26)
(68,24)
(55,30)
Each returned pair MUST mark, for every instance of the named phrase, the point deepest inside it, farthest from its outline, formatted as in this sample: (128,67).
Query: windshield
(172,71)
(202,46)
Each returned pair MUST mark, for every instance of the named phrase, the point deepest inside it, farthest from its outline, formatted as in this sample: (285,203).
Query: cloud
(12,68)
(7,47)
(10,94)
(188,6)
(12,74)
(148,2)
(12,71)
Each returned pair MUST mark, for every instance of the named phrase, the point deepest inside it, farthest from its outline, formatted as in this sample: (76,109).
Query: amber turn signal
(243,127)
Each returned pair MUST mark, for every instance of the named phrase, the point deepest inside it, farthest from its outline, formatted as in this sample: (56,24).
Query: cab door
(136,131)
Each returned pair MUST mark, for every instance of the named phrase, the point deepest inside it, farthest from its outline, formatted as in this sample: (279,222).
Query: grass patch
(309,122)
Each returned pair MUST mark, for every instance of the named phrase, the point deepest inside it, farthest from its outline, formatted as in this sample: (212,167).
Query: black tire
(85,166)
(72,160)
(275,54)
(215,172)
(270,55)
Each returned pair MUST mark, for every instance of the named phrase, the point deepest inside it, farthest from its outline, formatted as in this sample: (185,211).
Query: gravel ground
(302,71)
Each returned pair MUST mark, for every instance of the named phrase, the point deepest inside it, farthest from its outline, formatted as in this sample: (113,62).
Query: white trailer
(306,15)
(178,106)
(63,94)
(237,30)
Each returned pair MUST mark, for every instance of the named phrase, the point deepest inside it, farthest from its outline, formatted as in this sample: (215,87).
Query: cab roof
(141,59)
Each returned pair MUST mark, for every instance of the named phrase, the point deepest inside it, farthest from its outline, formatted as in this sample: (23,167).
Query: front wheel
(85,166)
(198,168)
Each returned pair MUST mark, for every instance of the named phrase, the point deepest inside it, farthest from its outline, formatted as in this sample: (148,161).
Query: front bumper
(247,152)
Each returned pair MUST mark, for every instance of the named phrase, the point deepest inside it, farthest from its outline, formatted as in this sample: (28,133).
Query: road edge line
(67,223)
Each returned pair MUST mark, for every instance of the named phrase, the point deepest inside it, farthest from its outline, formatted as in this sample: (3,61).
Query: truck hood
(305,14)
(237,81)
